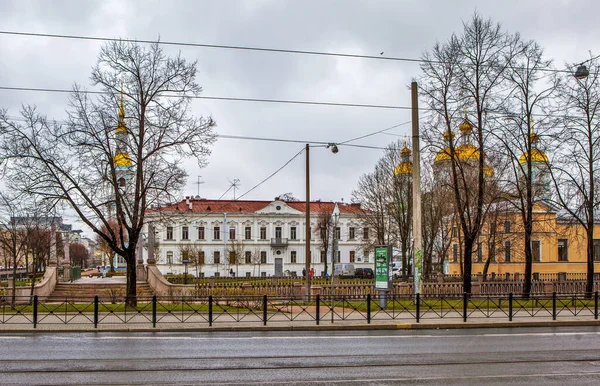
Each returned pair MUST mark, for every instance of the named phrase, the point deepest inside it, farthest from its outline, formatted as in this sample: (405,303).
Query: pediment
(278,207)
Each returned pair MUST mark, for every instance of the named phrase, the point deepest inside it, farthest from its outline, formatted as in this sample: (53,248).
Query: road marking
(311,337)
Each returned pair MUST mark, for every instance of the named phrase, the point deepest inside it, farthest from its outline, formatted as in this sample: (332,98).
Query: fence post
(96,311)
(35,310)
(510,305)
(596,305)
(418,307)
(153,310)
(210,315)
(465,306)
(554,305)
(264,310)
(368,308)
(318,306)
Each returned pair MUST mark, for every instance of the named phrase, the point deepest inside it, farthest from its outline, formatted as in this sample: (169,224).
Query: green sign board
(383,267)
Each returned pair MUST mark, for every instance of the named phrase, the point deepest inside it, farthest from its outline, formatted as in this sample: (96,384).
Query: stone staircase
(106,292)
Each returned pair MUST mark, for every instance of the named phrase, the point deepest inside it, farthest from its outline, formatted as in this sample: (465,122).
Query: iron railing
(212,310)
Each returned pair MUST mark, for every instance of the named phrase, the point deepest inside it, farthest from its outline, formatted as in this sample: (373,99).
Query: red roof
(244,206)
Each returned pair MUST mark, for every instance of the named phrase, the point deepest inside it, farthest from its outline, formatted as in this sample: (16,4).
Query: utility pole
(307,227)
(417,251)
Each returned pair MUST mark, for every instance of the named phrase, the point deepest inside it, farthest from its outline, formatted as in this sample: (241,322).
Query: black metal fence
(271,310)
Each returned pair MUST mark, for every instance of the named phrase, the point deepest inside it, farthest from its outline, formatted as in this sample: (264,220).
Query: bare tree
(235,249)
(578,155)
(323,231)
(466,73)
(105,247)
(105,173)
(79,254)
(526,176)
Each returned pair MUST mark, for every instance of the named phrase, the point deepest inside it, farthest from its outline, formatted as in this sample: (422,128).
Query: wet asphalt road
(517,356)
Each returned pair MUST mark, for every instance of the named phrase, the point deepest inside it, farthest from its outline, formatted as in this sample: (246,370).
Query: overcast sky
(567,30)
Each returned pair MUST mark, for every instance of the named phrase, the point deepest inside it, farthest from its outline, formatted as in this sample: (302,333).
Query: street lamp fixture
(582,72)
(333,146)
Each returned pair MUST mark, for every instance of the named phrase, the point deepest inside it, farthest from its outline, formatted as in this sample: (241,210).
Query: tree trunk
(528,265)
(467,264)
(131,296)
(589,285)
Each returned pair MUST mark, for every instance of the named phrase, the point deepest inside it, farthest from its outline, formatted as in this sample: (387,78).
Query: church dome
(404,167)
(536,154)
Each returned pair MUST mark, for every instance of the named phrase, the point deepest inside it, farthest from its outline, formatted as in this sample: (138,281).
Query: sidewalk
(83,323)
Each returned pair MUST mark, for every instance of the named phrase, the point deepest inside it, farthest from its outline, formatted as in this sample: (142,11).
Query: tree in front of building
(108,166)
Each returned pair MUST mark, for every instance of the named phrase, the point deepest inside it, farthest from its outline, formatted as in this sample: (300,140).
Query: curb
(347,327)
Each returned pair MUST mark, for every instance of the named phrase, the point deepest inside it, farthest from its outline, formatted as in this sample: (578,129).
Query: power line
(260,100)
(244,48)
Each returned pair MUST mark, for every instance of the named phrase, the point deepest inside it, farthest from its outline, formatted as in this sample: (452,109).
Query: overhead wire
(235,47)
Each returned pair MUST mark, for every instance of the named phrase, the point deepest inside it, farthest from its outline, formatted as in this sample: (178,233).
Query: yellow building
(558,245)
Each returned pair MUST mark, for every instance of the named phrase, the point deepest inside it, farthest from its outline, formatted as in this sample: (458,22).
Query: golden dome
(122,160)
(488,171)
(121,127)
(465,126)
(536,156)
(403,168)
(462,152)
(405,152)
(448,136)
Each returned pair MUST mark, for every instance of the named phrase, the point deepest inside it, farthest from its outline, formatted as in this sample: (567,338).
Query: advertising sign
(383,267)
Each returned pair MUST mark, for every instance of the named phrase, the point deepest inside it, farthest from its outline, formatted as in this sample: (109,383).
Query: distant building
(252,238)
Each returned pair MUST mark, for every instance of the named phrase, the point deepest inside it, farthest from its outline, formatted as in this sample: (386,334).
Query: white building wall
(256,221)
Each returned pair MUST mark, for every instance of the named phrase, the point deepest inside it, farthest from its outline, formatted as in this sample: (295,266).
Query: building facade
(254,238)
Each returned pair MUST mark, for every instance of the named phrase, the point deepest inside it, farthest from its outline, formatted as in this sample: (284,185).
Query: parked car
(363,273)
(344,270)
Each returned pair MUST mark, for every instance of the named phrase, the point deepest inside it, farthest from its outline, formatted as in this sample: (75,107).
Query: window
(365,233)
(337,233)
(277,232)
(169,233)
(122,182)
(536,250)
(248,257)
(200,233)
(263,274)
(201,258)
(366,256)
(217,274)
(351,233)
(216,257)
(455,252)
(247,233)
(185,256)
(492,227)
(338,257)
(232,258)
(563,250)
(323,257)
(479,252)
(231,233)
(455,231)
(263,257)
(507,251)
(507,225)
(293,233)
(263,233)
(492,251)
(352,256)
(596,249)
(169,257)
(292,256)
(185,233)
(216,233)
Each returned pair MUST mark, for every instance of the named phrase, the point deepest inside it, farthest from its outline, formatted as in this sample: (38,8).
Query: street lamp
(336,217)
(334,150)
(582,72)
(185,262)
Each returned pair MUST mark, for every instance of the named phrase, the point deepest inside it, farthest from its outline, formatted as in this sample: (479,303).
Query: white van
(344,270)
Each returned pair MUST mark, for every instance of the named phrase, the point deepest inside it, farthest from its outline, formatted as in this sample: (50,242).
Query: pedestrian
(312,272)
(231,274)
(303,272)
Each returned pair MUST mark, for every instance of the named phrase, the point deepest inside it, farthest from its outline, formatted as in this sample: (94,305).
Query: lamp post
(417,252)
(334,150)
(185,264)
(336,217)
